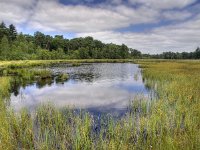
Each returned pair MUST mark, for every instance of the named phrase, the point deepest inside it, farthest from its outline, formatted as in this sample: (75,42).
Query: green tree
(124,51)
(12,33)
(84,53)
(48,42)
(57,42)
(39,39)
(4,48)
(197,53)
(135,53)
(75,44)
(3,30)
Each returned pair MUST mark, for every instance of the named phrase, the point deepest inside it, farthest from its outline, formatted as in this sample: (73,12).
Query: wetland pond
(95,87)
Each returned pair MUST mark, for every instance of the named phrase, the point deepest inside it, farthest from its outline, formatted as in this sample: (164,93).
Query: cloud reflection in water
(111,88)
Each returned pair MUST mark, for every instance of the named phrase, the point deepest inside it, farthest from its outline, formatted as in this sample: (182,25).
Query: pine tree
(197,53)
(12,33)
(3,30)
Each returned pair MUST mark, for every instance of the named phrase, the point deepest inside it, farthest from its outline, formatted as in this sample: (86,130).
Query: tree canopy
(18,46)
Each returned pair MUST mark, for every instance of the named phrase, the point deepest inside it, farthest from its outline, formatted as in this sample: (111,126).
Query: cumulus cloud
(76,18)
(15,11)
(181,37)
(81,18)
(52,16)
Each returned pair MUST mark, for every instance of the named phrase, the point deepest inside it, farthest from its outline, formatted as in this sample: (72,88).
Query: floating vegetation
(43,74)
(62,77)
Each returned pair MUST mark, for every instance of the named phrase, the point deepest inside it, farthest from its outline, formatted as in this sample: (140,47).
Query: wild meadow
(171,120)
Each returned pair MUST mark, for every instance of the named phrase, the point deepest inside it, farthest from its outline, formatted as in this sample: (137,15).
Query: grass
(74,62)
(170,121)
(62,77)
(177,85)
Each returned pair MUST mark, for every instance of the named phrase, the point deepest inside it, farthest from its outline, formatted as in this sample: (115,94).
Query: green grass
(62,77)
(170,121)
(177,108)
(74,62)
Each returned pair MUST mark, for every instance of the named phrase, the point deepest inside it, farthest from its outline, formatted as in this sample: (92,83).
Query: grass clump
(42,74)
(62,77)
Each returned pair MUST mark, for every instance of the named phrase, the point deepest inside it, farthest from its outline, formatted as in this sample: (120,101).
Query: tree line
(14,46)
(19,46)
(177,55)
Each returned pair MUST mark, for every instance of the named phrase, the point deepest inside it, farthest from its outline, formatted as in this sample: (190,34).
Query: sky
(151,26)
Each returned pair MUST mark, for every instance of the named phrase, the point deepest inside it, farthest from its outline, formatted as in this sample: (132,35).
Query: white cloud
(75,18)
(177,15)
(163,4)
(15,11)
(79,18)
(181,37)
(50,15)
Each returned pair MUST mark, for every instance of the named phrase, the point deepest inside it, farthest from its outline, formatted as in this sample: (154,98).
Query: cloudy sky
(151,26)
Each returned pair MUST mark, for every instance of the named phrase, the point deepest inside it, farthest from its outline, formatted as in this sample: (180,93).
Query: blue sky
(151,26)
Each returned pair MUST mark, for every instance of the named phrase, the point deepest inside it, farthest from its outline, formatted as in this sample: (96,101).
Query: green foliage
(12,33)
(4,48)
(3,30)
(135,53)
(183,55)
(41,46)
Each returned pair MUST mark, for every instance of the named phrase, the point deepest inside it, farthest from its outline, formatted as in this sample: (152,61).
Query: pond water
(96,87)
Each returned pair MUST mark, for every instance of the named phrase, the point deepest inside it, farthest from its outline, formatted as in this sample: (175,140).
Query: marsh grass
(171,121)
(177,107)
(74,62)
(62,77)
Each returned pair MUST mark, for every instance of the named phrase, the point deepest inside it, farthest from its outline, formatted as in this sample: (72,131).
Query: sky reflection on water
(103,87)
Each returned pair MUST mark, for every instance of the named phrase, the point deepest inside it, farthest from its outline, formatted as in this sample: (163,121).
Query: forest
(19,46)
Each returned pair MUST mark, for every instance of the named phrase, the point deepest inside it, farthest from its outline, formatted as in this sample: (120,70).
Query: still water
(96,87)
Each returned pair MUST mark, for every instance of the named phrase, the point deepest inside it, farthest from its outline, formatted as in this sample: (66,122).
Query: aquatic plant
(62,77)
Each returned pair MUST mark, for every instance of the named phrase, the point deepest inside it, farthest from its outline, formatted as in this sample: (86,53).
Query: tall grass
(177,110)
(170,121)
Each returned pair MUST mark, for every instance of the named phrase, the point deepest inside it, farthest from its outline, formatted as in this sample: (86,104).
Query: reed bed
(169,121)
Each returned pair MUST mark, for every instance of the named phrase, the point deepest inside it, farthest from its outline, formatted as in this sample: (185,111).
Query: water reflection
(101,87)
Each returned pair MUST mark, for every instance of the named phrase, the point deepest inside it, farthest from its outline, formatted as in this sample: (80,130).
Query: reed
(169,121)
